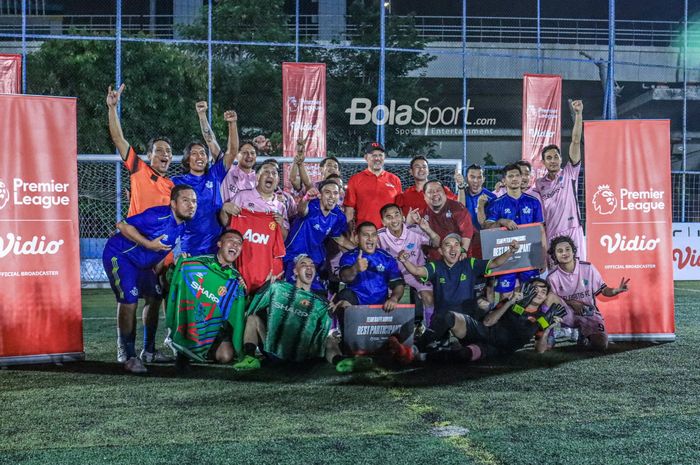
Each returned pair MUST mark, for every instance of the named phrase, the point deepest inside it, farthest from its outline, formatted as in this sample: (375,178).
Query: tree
(163,82)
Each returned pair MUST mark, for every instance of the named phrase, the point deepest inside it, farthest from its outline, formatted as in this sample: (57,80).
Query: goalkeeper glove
(529,292)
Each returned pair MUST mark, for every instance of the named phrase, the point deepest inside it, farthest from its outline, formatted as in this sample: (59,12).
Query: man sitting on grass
(206,304)
(287,321)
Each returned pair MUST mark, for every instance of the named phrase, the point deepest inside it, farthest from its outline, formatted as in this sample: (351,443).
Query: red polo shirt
(411,198)
(453,217)
(368,193)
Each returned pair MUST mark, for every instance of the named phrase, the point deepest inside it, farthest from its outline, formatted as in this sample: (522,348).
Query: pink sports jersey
(412,240)
(558,197)
(582,284)
(236,180)
(253,201)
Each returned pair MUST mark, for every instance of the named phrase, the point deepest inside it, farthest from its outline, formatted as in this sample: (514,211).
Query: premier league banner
(530,255)
(304,108)
(40,309)
(541,117)
(367,327)
(629,222)
(10,74)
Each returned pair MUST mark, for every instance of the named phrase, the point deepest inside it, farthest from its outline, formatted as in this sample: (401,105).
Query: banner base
(43,358)
(653,337)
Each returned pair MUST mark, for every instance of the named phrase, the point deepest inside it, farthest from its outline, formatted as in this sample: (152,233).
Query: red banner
(628,223)
(541,117)
(304,108)
(40,309)
(10,74)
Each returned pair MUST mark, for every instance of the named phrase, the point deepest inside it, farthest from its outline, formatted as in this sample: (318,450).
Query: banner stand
(43,359)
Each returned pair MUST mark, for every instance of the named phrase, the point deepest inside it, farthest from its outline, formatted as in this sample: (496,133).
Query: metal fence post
(464,87)
(118,79)
(382,69)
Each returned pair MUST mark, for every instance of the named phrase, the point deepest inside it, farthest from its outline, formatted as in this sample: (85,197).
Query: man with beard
(289,321)
(206,305)
(371,189)
(129,259)
(558,189)
(203,231)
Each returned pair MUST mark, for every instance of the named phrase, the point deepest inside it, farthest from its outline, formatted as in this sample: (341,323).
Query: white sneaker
(155,357)
(121,353)
(134,365)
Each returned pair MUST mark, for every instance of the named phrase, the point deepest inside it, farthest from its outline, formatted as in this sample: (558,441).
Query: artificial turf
(637,404)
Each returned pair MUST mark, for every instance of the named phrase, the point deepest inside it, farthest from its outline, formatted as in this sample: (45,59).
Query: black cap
(372,146)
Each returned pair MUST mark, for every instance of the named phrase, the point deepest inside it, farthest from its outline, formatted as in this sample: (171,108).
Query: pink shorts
(588,325)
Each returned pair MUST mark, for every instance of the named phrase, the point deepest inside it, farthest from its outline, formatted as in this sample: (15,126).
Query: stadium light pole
(685,106)
(383,5)
(118,79)
(464,87)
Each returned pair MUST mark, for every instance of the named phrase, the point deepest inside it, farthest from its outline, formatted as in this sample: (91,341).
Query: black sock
(442,323)
(249,349)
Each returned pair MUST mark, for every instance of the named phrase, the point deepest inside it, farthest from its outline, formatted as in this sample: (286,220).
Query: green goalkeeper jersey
(297,321)
(203,296)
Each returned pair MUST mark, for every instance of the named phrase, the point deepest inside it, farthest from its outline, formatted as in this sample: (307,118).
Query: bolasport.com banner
(40,312)
(629,221)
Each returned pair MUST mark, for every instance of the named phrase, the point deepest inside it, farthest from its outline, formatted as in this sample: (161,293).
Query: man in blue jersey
(319,218)
(508,211)
(471,193)
(129,259)
(372,276)
(202,233)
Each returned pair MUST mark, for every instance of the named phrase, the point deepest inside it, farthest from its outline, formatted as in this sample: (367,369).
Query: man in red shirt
(369,190)
(445,217)
(413,198)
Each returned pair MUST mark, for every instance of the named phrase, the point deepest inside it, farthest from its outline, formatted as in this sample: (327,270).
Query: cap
(372,146)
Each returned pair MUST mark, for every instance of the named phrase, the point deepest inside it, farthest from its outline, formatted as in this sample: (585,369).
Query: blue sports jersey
(152,223)
(372,285)
(524,210)
(204,229)
(309,232)
(471,202)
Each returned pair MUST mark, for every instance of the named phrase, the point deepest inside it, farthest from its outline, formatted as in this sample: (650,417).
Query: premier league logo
(4,195)
(604,201)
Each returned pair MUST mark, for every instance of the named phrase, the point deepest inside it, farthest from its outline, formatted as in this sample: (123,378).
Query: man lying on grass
(287,321)
(206,304)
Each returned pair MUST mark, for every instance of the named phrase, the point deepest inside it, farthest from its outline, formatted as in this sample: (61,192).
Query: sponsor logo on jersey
(255,237)
(201,291)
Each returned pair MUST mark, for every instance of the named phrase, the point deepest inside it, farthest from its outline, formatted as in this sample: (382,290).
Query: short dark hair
(268,161)
(561,240)
(537,279)
(524,163)
(230,231)
(510,167)
(248,142)
(152,142)
(387,207)
(327,182)
(175,192)
(188,150)
(474,166)
(325,160)
(364,224)
(415,159)
(431,181)
(550,147)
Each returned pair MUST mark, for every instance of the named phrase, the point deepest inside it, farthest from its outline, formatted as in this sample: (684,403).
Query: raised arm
(207,133)
(461,187)
(232,146)
(576,132)
(501,259)
(115,126)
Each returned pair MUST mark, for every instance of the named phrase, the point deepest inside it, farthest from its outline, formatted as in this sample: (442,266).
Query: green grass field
(638,404)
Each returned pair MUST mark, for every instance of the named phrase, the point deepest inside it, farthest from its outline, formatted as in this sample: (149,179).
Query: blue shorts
(507,282)
(127,281)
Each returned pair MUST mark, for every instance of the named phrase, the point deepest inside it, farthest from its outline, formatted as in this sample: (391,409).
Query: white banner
(686,251)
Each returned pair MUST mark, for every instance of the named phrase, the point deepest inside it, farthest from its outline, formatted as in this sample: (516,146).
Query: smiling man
(129,260)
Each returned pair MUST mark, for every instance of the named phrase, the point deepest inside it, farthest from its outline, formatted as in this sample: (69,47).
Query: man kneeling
(288,321)
(206,305)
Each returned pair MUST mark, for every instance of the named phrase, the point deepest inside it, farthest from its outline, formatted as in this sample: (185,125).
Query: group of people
(250,271)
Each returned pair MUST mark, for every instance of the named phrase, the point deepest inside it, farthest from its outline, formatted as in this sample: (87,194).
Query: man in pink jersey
(558,189)
(396,236)
(578,283)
